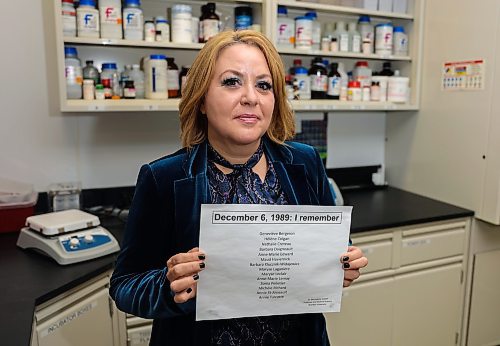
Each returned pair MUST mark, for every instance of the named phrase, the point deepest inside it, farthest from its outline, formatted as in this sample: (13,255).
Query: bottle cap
(399,29)
(297,61)
(364,19)
(70,51)
(132,3)
(354,84)
(311,14)
(87,3)
(109,66)
(363,63)
(300,70)
(282,10)
(157,57)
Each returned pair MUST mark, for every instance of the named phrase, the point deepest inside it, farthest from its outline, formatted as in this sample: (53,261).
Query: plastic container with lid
(163,26)
(68,12)
(133,21)
(73,73)
(91,72)
(88,89)
(173,86)
(382,83)
(362,73)
(87,18)
(383,39)
(316,30)
(110,73)
(334,82)
(319,79)
(367,33)
(110,13)
(155,72)
(354,38)
(303,33)
(181,23)
(210,22)
(149,31)
(342,37)
(243,17)
(354,91)
(397,89)
(285,37)
(400,41)
(17,202)
(303,83)
(137,75)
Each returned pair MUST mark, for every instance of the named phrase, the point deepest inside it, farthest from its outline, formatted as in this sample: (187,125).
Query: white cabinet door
(484,325)
(86,322)
(427,307)
(365,317)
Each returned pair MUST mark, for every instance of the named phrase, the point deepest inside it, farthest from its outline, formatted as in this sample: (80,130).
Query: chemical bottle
(383,39)
(110,73)
(243,17)
(343,82)
(354,38)
(386,69)
(129,90)
(354,91)
(172,79)
(316,30)
(137,76)
(133,21)
(87,18)
(91,72)
(397,89)
(367,33)
(73,72)
(303,82)
(319,79)
(149,30)
(183,77)
(155,67)
(110,13)
(124,77)
(210,22)
(342,37)
(68,18)
(303,32)
(182,24)
(362,73)
(400,45)
(285,37)
(334,82)
(162,25)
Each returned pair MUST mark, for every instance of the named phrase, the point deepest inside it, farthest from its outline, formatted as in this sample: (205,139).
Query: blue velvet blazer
(164,220)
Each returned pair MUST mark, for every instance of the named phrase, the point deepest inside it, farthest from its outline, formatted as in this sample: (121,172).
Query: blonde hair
(194,123)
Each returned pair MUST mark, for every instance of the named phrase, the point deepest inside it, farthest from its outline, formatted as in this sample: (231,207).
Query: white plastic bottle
(316,30)
(182,24)
(162,25)
(342,37)
(398,87)
(285,37)
(303,33)
(363,74)
(354,38)
(156,77)
(133,21)
(304,83)
(110,12)
(87,17)
(367,33)
(73,72)
(68,18)
(138,77)
(344,80)
(400,44)
(383,39)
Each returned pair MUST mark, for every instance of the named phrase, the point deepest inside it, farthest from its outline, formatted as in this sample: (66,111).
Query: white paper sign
(271,259)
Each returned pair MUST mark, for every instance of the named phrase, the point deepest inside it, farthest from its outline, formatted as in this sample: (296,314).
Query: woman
(234,121)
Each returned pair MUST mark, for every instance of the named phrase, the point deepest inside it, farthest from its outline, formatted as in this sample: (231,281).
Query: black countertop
(28,279)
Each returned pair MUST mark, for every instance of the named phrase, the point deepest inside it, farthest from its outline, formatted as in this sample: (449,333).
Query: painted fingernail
(189,290)
(347,265)
(202,265)
(196,277)
(345,258)
(201,257)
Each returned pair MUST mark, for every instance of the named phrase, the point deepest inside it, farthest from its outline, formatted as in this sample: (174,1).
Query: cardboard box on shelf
(385,5)
(400,6)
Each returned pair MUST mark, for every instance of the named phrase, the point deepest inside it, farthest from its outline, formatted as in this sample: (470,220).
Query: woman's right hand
(182,273)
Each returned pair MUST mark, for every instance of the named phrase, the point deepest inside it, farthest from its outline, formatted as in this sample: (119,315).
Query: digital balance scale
(68,236)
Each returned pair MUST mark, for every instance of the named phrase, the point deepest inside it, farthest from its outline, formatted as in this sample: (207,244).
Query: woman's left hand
(352,261)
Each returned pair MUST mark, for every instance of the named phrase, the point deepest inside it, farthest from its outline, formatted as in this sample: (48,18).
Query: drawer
(134,321)
(139,336)
(379,255)
(434,245)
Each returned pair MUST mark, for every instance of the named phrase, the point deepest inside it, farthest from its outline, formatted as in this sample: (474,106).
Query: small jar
(366,94)
(108,92)
(149,31)
(183,77)
(129,90)
(182,30)
(88,89)
(99,92)
(334,47)
(325,44)
(375,91)
(354,91)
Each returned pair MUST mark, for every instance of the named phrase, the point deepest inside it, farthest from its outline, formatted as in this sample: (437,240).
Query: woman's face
(240,101)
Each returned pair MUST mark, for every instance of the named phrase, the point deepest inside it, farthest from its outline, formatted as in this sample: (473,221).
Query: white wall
(41,145)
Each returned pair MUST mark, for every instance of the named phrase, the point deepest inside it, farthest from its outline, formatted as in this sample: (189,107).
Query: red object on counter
(13,216)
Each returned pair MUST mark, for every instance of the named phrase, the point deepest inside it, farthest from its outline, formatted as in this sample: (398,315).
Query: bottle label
(356,44)
(129,92)
(111,15)
(210,28)
(73,75)
(344,42)
(173,79)
(242,22)
(334,86)
(319,83)
(132,21)
(285,34)
(304,87)
(88,22)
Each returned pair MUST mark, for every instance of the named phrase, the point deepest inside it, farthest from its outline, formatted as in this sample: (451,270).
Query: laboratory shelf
(130,43)
(343,10)
(292,51)
(332,105)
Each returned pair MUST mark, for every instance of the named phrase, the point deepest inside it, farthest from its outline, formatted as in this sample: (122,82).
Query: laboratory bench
(29,279)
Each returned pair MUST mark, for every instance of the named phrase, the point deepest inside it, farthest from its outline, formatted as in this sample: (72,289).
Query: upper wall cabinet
(105,48)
